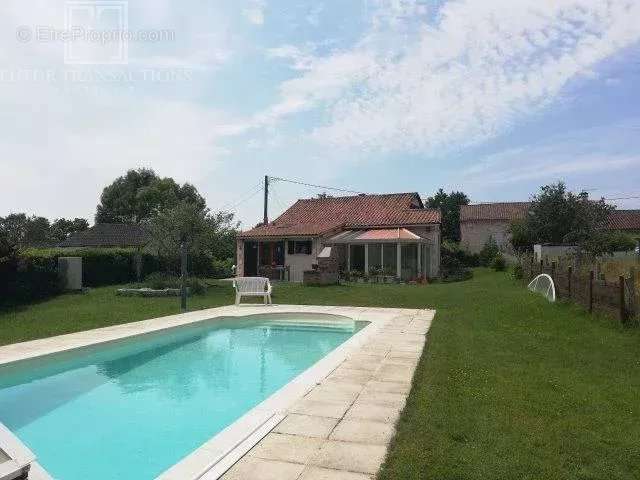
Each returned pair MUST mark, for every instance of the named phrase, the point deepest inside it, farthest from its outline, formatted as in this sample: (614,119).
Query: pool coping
(212,459)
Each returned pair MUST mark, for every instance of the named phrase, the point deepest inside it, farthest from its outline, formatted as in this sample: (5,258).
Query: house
(481,221)
(109,235)
(367,233)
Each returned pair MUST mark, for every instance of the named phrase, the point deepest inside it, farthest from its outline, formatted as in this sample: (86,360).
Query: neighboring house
(109,235)
(481,221)
(627,221)
(393,232)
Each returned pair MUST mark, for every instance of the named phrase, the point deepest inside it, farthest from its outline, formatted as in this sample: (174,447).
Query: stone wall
(327,271)
(474,235)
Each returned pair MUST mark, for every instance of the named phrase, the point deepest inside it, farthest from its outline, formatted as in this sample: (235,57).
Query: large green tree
(449,204)
(560,216)
(141,194)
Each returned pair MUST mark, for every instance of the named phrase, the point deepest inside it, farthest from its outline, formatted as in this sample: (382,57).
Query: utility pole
(266,199)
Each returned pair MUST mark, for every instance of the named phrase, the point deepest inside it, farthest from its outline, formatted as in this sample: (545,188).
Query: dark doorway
(250,259)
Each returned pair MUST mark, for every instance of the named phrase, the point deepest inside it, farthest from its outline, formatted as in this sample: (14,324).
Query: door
(250,259)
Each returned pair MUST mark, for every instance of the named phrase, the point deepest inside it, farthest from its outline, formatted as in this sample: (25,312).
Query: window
(299,247)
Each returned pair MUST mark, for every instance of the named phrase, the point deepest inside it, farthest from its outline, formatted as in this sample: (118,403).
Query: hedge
(106,266)
(27,279)
(33,273)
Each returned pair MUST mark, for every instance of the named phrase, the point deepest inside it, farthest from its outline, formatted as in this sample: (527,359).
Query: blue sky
(491,97)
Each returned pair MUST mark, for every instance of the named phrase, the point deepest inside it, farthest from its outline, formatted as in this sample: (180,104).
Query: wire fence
(618,299)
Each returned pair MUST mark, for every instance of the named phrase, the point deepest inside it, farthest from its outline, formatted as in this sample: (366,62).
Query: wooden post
(623,313)
(591,291)
(531,268)
(541,266)
(569,273)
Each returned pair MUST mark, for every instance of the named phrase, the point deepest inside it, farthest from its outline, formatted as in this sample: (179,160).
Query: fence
(618,299)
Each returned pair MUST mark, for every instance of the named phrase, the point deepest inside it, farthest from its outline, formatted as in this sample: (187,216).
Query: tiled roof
(504,211)
(109,235)
(624,220)
(321,215)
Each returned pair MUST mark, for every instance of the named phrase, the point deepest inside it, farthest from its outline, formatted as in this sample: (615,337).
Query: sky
(491,97)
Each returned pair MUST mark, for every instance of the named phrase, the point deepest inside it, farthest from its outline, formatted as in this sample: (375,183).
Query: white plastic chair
(253,287)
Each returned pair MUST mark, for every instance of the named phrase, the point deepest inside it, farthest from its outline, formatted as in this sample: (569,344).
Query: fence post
(623,315)
(569,273)
(541,266)
(591,291)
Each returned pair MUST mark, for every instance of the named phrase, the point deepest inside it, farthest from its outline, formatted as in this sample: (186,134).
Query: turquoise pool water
(133,408)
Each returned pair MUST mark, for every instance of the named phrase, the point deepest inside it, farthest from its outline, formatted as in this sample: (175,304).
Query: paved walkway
(341,429)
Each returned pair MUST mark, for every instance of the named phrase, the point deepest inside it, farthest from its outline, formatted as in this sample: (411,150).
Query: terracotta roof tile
(624,220)
(322,215)
(505,211)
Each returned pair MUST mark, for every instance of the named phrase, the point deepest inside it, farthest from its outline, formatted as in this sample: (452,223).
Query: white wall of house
(298,263)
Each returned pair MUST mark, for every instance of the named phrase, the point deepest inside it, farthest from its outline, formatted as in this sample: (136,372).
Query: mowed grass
(509,386)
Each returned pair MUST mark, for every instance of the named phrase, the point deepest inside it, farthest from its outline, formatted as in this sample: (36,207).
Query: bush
(499,264)
(517,271)
(222,268)
(489,251)
(453,270)
(452,249)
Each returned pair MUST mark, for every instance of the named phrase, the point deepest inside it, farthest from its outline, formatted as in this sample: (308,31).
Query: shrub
(222,268)
(489,251)
(452,249)
(517,271)
(499,264)
(453,270)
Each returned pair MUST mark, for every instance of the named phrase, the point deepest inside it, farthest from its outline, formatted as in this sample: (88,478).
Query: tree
(20,231)
(141,194)
(559,216)
(204,233)
(62,228)
(449,205)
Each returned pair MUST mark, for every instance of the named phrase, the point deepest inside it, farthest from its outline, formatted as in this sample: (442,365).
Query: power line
(297,182)
(240,197)
(235,206)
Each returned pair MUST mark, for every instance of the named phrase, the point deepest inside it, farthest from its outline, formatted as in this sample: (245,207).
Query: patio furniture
(252,287)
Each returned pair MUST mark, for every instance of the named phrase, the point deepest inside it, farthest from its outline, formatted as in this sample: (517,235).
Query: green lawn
(509,387)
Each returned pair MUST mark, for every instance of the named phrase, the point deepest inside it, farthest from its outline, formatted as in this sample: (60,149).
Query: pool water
(133,408)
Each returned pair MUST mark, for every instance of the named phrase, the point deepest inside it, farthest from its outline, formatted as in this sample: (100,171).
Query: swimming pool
(132,408)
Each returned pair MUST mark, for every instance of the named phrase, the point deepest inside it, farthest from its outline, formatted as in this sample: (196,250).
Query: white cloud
(479,67)
(254,12)
(603,150)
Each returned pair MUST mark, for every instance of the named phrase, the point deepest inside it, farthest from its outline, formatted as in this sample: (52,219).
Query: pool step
(17,462)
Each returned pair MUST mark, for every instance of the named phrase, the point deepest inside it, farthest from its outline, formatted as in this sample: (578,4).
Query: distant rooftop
(109,235)
(504,211)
